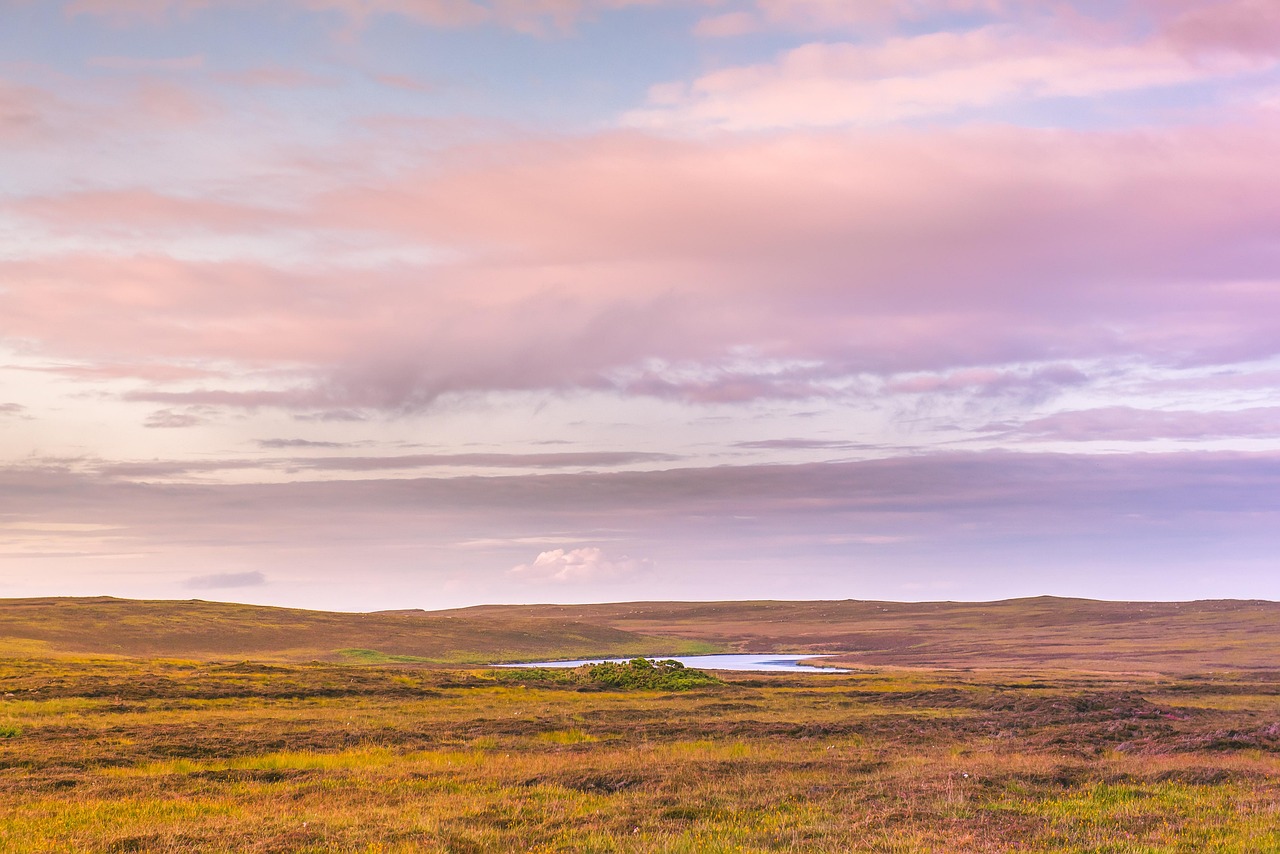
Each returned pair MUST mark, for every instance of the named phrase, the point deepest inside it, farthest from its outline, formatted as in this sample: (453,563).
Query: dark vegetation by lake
(750,663)
(667,675)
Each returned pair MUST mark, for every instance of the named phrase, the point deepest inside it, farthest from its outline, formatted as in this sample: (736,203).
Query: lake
(773,663)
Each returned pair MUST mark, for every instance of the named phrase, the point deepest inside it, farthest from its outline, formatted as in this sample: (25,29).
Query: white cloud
(584,564)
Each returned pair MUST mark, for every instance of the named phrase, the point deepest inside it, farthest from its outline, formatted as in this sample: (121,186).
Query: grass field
(177,753)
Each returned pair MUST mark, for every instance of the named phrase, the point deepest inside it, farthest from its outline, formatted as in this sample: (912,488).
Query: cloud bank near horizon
(1122,526)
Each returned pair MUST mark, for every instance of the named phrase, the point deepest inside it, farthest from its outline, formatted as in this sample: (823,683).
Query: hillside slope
(1046,630)
(215,630)
(1018,633)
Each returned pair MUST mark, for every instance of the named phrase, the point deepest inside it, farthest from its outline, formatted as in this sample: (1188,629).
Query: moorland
(1031,725)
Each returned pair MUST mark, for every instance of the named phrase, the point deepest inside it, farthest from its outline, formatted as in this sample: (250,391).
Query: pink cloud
(1125,423)
(124,211)
(524,15)
(831,84)
(122,11)
(171,104)
(727,25)
(839,14)
(838,216)
(145,370)
(709,270)
(879,17)
(28,114)
(272,77)
(73,121)
(1235,26)
(138,63)
(407,83)
(1242,26)
(189,245)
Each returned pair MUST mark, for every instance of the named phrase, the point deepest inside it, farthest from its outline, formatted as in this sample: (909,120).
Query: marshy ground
(172,755)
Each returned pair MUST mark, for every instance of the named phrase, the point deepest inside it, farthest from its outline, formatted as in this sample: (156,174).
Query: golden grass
(136,756)
(271,730)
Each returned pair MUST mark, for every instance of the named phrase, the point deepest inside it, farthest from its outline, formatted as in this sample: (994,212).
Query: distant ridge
(195,629)
(1035,632)
(1039,631)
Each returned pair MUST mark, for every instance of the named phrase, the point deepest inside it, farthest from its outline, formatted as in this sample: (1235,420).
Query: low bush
(638,673)
(668,675)
(540,675)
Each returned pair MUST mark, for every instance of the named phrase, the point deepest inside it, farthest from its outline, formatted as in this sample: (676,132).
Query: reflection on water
(774,662)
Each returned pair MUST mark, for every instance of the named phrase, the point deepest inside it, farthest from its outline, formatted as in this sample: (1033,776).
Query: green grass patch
(373,656)
(665,675)
(636,674)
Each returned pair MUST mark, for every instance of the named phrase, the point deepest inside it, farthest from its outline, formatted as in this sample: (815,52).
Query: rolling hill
(1018,633)
(62,627)
(1041,631)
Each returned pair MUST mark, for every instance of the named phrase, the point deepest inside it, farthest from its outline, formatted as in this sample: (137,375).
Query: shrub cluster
(668,675)
(638,673)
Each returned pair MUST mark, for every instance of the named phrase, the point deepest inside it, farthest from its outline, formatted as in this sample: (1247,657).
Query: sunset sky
(361,304)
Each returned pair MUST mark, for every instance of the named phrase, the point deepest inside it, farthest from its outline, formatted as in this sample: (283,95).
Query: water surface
(771,662)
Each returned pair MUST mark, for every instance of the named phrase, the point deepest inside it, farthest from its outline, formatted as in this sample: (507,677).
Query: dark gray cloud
(960,526)
(481,460)
(174,419)
(164,469)
(273,444)
(804,445)
(338,415)
(946,503)
(154,469)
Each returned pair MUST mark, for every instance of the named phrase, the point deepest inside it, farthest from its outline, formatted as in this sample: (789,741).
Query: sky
(368,304)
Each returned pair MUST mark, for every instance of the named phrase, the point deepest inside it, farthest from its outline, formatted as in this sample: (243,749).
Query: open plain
(148,726)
